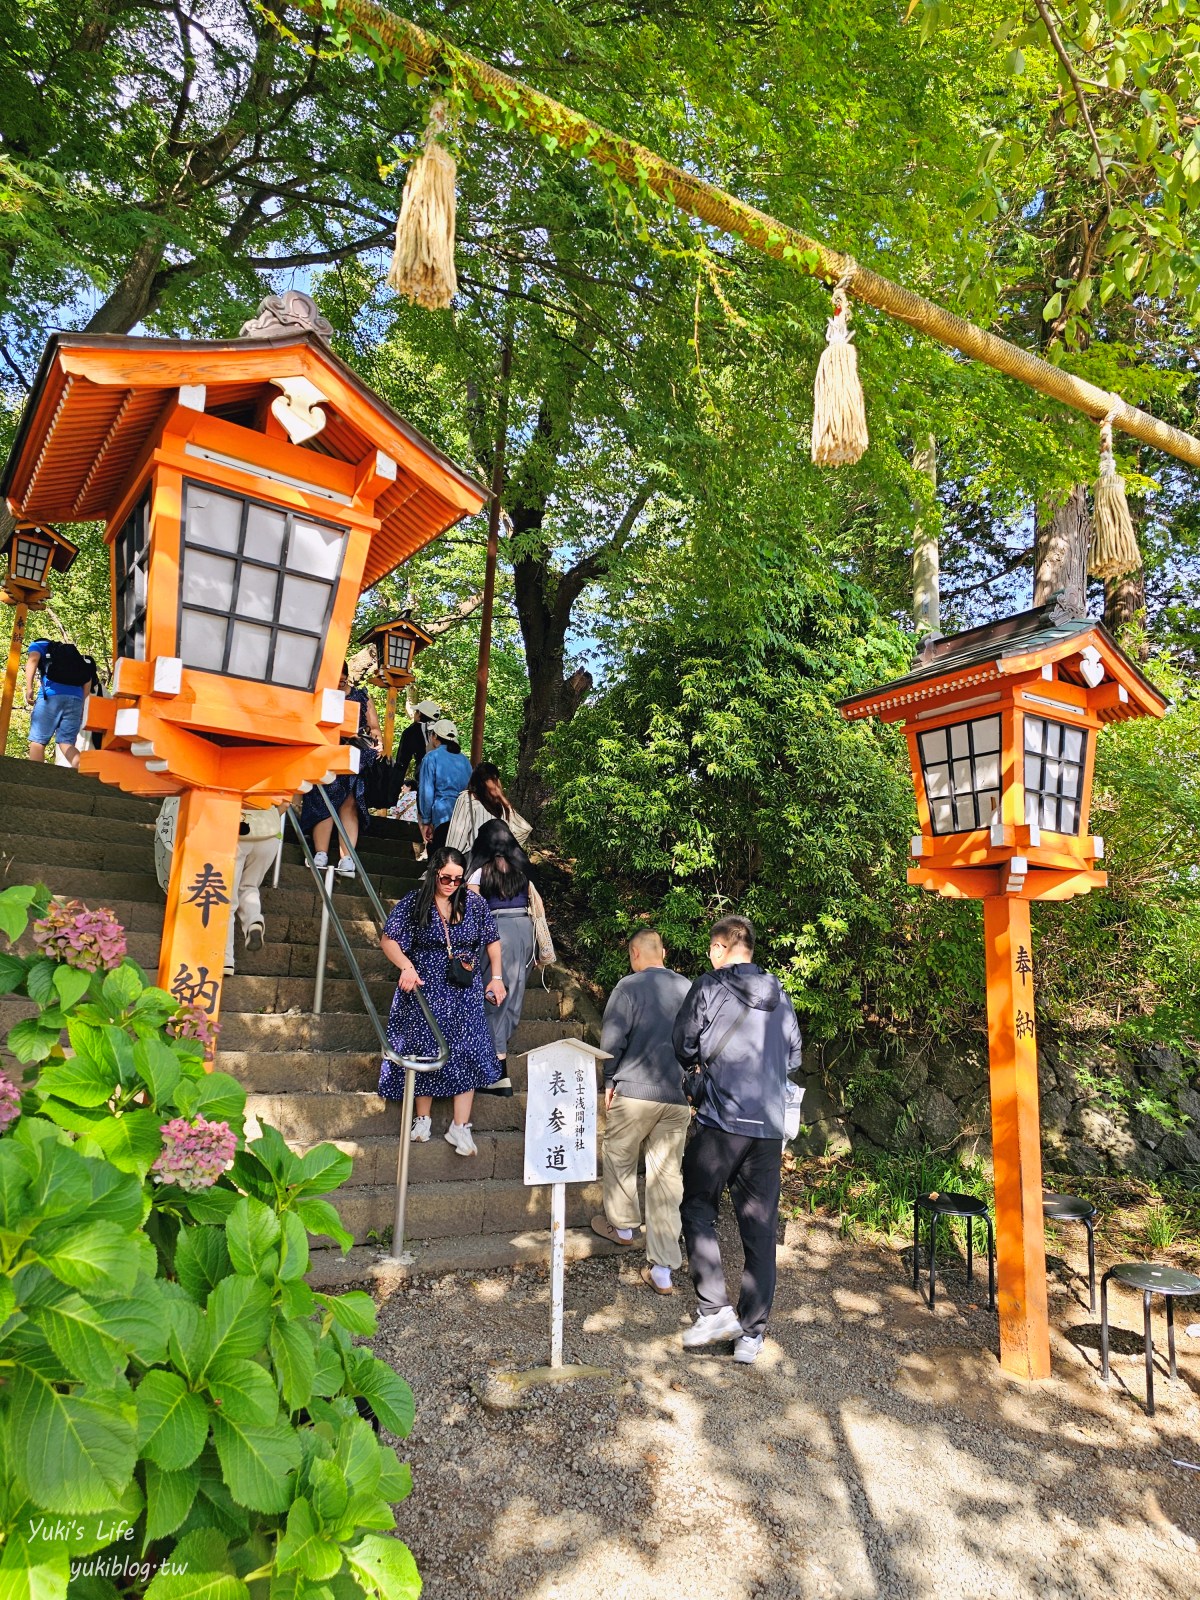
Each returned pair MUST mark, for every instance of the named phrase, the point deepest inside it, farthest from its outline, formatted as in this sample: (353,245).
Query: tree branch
(461,612)
(1060,50)
(576,578)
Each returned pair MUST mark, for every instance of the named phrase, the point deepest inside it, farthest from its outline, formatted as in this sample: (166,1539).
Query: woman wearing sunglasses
(444,941)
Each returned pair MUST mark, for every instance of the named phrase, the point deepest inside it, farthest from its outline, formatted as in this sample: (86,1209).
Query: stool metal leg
(1104,1327)
(970,1246)
(916,1240)
(1149,1355)
(1091,1233)
(1171,1334)
(932,1254)
(991,1239)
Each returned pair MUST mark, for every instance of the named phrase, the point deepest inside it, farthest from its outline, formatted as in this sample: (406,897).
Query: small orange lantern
(32,550)
(1002,723)
(396,645)
(252,488)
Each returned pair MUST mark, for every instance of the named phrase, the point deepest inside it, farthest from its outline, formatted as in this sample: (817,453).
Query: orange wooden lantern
(32,549)
(1002,723)
(252,489)
(396,645)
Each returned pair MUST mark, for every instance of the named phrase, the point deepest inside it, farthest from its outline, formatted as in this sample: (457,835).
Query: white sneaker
(747,1348)
(321,859)
(421,1129)
(719,1328)
(459,1135)
(345,868)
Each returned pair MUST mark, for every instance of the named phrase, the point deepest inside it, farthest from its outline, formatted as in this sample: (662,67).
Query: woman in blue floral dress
(347,792)
(415,941)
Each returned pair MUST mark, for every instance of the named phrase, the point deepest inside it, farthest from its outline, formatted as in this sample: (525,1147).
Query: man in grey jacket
(646,1109)
(737,1032)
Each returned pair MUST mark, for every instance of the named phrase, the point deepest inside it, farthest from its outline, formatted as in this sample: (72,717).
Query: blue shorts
(56,718)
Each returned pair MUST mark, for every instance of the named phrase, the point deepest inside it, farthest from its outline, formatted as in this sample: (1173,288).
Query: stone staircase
(314,1077)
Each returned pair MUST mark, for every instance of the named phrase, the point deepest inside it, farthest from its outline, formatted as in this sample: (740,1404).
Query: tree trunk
(1060,551)
(926,590)
(134,296)
(1125,602)
(552,697)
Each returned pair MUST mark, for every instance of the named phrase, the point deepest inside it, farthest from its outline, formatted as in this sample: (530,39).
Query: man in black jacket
(737,1036)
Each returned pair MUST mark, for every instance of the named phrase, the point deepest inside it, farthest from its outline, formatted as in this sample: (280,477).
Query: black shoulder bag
(460,970)
(693,1082)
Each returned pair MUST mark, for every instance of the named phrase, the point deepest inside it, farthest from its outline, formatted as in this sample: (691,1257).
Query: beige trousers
(662,1129)
(255,858)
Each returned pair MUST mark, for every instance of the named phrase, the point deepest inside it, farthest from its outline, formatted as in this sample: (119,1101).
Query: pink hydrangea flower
(191,1022)
(194,1154)
(93,941)
(10,1102)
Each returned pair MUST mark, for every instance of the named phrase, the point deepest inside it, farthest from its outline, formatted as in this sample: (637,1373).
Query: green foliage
(873,1192)
(178,1405)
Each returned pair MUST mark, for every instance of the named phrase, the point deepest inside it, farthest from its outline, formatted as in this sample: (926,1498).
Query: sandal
(605,1229)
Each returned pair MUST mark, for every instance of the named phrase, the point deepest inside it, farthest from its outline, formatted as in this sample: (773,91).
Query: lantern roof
(402,621)
(64,552)
(98,399)
(1042,637)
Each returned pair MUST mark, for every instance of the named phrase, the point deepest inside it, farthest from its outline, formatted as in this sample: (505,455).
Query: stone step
(23,818)
(281,1031)
(366,1266)
(501,1155)
(307,1116)
(466,1209)
(48,787)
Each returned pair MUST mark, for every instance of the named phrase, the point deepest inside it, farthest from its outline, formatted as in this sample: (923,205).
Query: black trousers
(439,836)
(751,1170)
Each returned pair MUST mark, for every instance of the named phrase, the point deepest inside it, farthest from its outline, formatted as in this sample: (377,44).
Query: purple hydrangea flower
(194,1154)
(93,941)
(191,1022)
(10,1102)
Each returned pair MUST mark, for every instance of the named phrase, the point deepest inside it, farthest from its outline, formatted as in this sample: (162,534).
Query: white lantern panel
(256,592)
(265,530)
(1054,768)
(202,641)
(1072,747)
(937,783)
(933,746)
(961,770)
(249,650)
(943,817)
(208,580)
(316,549)
(987,771)
(213,520)
(960,743)
(989,804)
(985,734)
(303,603)
(295,659)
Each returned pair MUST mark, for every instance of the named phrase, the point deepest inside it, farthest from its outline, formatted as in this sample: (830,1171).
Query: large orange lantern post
(396,643)
(252,489)
(31,552)
(1002,723)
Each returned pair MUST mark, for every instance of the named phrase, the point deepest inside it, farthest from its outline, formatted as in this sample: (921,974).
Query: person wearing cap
(445,773)
(411,750)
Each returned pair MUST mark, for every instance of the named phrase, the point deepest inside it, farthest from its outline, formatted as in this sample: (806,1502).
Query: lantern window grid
(30,559)
(271,575)
(131,549)
(399,652)
(960,765)
(1055,758)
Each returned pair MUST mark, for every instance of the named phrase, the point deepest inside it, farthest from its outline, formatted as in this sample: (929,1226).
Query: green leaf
(131,1141)
(18,1169)
(386,1392)
(358,1455)
(354,1311)
(321,1170)
(187,1339)
(30,1041)
(169,1497)
(157,1065)
(331,1373)
(271,1149)
(172,1423)
(296,1298)
(295,1361)
(71,984)
(329,1490)
(80,1081)
(121,988)
(203,1571)
(201,1261)
(245,1391)
(305,1547)
(322,1218)
(73,1454)
(12,972)
(32,1568)
(220,1097)
(385,1568)
(252,1233)
(116,1196)
(1052,308)
(211,1205)
(99,1255)
(78,1334)
(141,1320)
(39,981)
(62,1190)
(395,1480)
(239,1314)
(257,1461)
(293,1262)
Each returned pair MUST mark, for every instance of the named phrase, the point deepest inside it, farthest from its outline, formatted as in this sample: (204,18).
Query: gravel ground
(873,1451)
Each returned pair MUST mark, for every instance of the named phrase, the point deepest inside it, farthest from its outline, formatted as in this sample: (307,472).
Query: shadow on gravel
(874,1450)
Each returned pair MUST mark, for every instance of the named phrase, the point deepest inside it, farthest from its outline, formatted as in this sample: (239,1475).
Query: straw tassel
(1114,549)
(839,432)
(423,261)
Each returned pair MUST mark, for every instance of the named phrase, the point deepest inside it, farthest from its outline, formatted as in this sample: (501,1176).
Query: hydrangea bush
(179,1411)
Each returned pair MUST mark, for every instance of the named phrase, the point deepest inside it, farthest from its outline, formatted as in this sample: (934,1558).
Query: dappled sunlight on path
(874,1450)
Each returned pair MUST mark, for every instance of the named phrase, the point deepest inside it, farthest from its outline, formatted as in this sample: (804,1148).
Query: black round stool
(953,1205)
(1167,1281)
(1073,1208)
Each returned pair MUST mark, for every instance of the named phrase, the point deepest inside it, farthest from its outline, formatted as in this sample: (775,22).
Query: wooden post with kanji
(560,1146)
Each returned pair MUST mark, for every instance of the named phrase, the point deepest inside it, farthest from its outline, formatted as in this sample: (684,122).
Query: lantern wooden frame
(1065,670)
(393,679)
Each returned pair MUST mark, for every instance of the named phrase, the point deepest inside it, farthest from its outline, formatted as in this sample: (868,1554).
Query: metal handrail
(411,1064)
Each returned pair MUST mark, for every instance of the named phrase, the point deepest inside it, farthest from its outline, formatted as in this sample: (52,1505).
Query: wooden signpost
(1002,724)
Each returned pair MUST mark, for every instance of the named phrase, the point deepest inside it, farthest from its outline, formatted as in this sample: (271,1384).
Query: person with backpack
(57,706)
(737,1039)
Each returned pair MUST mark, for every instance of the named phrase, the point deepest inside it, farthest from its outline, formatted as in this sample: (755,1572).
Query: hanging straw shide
(1114,549)
(423,261)
(839,431)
